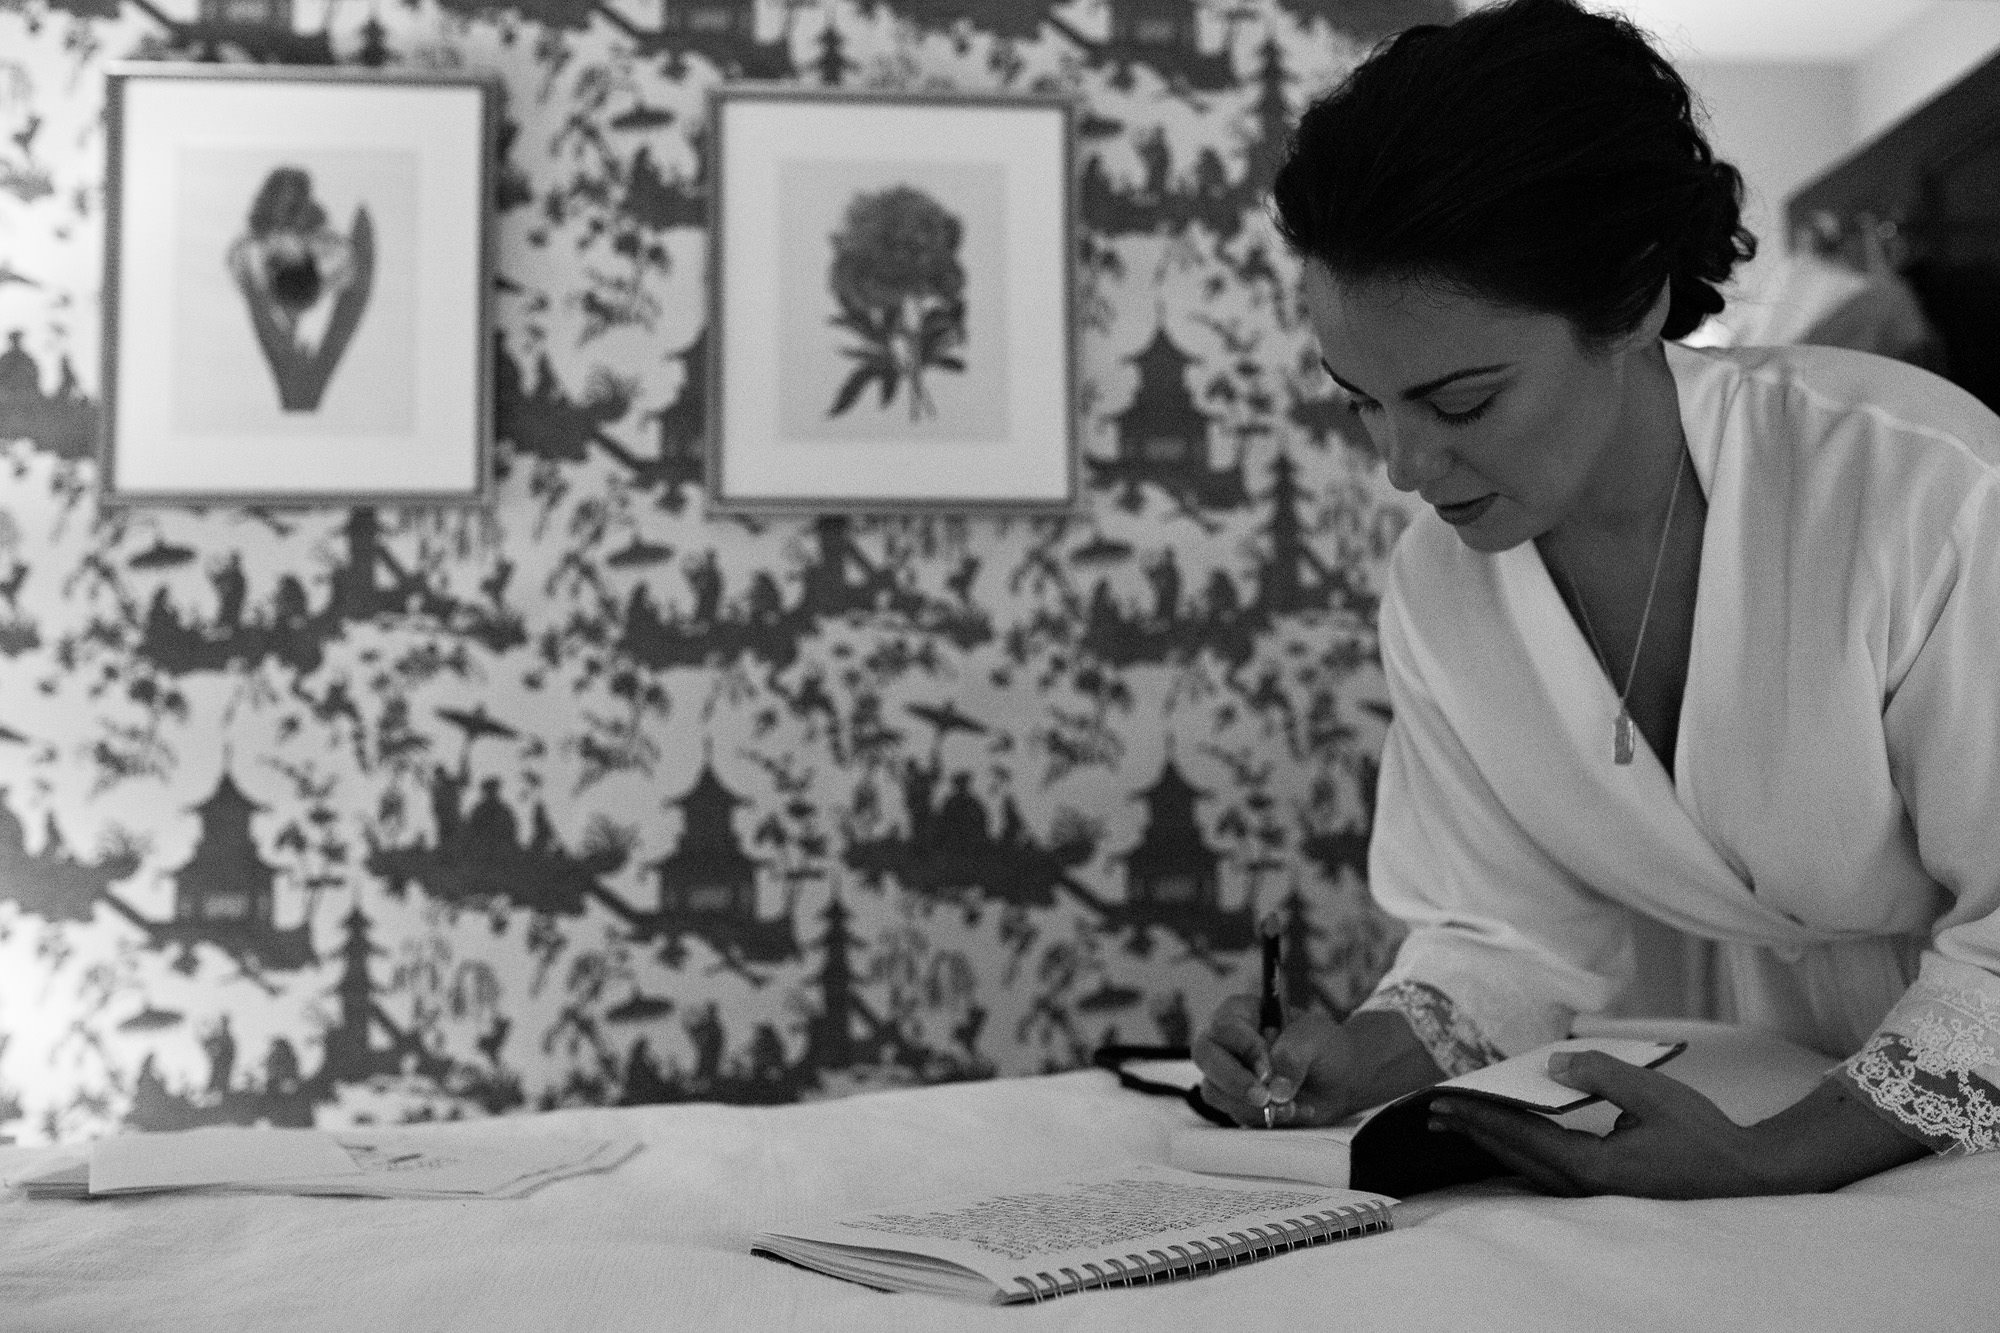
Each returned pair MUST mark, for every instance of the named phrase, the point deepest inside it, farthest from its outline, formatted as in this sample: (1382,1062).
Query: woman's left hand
(1669,1142)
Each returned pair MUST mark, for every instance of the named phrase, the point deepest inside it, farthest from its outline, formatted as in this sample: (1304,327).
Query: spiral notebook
(1134,1224)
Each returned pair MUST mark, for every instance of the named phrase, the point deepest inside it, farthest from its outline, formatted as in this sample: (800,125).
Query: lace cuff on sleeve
(1451,1037)
(1933,1070)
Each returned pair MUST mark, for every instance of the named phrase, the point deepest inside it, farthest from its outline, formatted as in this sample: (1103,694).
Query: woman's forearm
(1830,1138)
(1388,1059)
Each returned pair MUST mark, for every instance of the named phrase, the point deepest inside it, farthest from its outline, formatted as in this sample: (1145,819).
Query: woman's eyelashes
(1466,416)
(1463,417)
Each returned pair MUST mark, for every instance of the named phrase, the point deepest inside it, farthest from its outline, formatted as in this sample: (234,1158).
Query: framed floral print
(297,273)
(891,303)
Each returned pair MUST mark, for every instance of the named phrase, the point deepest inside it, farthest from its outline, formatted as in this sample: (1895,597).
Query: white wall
(1781,124)
(1941,44)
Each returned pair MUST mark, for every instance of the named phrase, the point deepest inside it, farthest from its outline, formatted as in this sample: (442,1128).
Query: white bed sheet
(661,1243)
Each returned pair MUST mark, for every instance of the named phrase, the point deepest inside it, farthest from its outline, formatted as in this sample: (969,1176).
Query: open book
(1391,1146)
(1748,1074)
(1110,1228)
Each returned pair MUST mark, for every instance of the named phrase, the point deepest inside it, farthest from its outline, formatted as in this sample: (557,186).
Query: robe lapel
(1628,831)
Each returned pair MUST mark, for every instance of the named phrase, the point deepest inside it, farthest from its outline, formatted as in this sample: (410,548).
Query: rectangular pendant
(1621,739)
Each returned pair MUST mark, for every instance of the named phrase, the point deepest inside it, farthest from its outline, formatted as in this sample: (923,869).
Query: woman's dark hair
(1535,154)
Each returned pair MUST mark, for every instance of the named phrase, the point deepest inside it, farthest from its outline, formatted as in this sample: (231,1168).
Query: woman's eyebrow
(1428,387)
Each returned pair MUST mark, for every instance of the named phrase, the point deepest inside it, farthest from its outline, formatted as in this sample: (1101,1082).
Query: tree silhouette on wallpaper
(901,291)
(306,285)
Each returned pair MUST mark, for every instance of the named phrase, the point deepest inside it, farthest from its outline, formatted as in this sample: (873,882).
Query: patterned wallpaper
(330,816)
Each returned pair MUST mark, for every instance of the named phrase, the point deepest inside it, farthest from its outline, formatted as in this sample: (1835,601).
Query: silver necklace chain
(1622,745)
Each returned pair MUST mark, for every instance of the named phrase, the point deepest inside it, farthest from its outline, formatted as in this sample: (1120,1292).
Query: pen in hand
(1270,1011)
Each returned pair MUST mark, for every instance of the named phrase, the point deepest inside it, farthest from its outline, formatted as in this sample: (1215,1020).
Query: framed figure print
(890,306)
(296,284)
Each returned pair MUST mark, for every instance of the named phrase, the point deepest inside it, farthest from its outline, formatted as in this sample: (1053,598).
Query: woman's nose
(1412,455)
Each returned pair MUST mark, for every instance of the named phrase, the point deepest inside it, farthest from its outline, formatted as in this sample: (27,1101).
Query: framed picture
(297,270)
(890,305)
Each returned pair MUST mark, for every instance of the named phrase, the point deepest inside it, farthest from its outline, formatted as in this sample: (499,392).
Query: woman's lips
(1468,511)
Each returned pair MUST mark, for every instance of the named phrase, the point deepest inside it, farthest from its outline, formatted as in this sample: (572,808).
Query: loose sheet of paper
(192,1159)
(393,1165)
(386,1163)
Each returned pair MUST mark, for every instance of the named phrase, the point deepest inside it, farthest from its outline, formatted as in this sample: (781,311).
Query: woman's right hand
(1304,1075)
(1316,1072)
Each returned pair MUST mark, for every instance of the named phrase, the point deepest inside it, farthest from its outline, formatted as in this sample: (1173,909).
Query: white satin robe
(1833,818)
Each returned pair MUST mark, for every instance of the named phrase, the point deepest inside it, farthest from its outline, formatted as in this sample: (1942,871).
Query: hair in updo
(1535,154)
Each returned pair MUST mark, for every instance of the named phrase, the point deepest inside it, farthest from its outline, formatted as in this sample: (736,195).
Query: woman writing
(1712,638)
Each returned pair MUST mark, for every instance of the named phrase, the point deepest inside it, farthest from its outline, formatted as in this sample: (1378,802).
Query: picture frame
(891,303)
(297,286)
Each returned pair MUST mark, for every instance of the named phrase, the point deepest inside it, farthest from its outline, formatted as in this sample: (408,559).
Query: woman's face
(1498,417)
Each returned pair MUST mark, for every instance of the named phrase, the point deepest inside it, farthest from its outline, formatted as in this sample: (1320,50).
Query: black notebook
(1390,1147)
(1128,1225)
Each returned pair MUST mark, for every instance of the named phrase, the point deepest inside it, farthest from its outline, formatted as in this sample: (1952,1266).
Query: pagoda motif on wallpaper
(708,885)
(1173,877)
(1166,36)
(259,30)
(1163,437)
(724,32)
(225,893)
(314,815)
